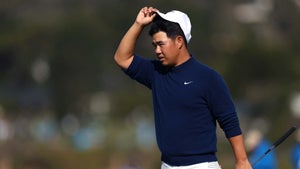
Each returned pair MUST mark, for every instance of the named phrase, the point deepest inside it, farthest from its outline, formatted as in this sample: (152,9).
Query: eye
(159,43)
(154,45)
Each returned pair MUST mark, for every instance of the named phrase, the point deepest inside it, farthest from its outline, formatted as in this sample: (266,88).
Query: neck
(183,57)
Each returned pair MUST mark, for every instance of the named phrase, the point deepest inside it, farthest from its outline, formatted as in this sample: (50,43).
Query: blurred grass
(43,156)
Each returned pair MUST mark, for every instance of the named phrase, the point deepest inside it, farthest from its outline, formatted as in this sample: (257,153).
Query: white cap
(182,19)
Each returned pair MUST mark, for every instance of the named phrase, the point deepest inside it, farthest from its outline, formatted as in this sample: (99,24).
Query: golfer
(189,98)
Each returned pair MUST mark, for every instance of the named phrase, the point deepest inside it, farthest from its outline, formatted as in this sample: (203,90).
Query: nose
(157,50)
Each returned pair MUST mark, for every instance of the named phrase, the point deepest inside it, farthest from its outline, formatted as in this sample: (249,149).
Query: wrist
(138,24)
(242,160)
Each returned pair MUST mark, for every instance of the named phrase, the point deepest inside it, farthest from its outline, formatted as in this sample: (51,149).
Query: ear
(179,42)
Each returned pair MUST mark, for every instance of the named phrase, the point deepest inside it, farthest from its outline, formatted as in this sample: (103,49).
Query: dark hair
(172,29)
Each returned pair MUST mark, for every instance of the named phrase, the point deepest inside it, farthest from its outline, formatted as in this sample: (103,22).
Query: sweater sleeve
(140,70)
(222,106)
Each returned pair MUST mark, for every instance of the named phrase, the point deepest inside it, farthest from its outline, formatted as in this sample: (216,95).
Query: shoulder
(206,70)
(141,62)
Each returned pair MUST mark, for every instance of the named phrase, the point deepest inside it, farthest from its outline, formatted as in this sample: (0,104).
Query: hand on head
(146,16)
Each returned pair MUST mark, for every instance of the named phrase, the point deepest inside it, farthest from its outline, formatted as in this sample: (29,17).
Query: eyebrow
(157,43)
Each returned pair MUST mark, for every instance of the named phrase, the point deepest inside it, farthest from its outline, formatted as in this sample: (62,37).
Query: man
(188,97)
(295,152)
(258,145)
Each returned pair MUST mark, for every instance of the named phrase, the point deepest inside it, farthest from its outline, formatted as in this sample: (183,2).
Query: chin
(165,63)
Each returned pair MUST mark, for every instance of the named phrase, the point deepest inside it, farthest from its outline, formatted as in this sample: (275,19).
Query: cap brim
(164,16)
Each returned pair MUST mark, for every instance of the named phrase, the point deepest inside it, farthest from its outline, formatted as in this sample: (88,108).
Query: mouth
(161,58)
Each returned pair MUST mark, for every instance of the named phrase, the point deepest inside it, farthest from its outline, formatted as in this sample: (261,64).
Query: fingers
(146,16)
(148,11)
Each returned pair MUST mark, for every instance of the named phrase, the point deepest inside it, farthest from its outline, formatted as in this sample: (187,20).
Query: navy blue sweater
(188,100)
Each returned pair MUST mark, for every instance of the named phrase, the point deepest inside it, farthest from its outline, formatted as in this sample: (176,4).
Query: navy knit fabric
(188,101)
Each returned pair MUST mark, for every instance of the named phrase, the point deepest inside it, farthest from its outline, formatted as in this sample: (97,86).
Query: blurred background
(65,104)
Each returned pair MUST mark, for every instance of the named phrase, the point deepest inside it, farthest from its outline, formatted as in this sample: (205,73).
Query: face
(166,49)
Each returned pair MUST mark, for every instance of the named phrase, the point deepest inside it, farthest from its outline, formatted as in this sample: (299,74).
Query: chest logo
(187,82)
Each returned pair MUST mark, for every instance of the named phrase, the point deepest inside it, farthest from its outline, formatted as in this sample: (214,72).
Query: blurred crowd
(264,156)
(81,134)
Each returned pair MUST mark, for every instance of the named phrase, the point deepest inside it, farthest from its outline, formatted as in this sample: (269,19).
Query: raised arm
(237,143)
(125,51)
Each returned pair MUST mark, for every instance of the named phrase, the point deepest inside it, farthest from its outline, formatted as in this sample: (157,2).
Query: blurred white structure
(100,103)
(295,104)
(254,12)
(40,70)
(6,130)
(297,2)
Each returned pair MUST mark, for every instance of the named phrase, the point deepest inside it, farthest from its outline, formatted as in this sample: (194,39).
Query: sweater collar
(184,64)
